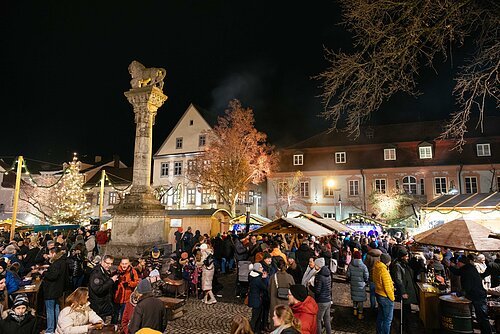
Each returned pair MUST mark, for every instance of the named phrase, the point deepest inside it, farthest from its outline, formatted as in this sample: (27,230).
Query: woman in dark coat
(257,293)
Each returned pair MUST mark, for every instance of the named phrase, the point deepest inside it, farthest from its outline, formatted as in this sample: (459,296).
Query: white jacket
(76,321)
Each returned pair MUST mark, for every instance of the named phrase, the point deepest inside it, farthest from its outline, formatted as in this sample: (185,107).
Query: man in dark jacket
(150,312)
(227,254)
(187,240)
(55,282)
(493,269)
(101,287)
(404,282)
(303,254)
(257,297)
(473,289)
(323,295)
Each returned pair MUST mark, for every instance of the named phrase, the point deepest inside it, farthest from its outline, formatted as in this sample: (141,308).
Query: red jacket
(127,316)
(101,237)
(306,312)
(127,281)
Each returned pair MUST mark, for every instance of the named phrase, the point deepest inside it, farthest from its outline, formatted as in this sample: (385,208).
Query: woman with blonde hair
(241,325)
(78,317)
(285,321)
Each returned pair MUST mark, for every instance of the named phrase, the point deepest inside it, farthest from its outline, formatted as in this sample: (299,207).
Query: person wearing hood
(90,245)
(55,281)
(384,288)
(149,312)
(309,273)
(257,296)
(481,266)
(358,276)
(20,318)
(129,311)
(323,295)
(77,317)
(304,308)
(303,254)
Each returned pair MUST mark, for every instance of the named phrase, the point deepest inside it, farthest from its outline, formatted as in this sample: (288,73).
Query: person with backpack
(128,279)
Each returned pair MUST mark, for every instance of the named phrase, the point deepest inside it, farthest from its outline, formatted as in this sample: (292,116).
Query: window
(440,185)
(164,199)
(205,196)
(164,169)
(425,152)
(282,189)
(251,195)
(191,195)
(396,184)
(190,165)
(353,187)
(304,189)
(340,157)
(177,168)
(89,198)
(410,185)
(483,150)
(298,159)
(113,198)
(422,187)
(178,143)
(329,215)
(470,184)
(498,183)
(380,186)
(328,191)
(191,122)
(390,154)
(202,140)
(176,197)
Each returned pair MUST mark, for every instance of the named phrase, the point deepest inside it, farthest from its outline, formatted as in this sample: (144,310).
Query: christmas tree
(71,203)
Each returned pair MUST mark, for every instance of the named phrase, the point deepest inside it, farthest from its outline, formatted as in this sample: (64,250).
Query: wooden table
(429,305)
(31,293)
(107,329)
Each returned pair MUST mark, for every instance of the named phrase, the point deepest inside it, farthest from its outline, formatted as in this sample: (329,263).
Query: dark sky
(64,70)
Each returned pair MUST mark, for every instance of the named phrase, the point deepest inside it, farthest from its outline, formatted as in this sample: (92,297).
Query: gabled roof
(474,201)
(117,176)
(190,108)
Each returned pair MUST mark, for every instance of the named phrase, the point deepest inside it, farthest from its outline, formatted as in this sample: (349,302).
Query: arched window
(410,185)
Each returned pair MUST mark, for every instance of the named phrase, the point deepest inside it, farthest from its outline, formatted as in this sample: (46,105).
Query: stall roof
(255,219)
(294,226)
(365,218)
(465,201)
(330,224)
(41,228)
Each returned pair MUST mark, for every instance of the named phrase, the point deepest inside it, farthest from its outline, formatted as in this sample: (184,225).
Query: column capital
(145,99)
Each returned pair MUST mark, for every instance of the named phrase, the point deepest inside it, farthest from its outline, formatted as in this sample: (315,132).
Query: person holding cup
(77,317)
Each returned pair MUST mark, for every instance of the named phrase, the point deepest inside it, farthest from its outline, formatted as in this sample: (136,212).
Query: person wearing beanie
(472,287)
(323,295)
(384,290)
(309,273)
(294,268)
(19,319)
(358,277)
(257,296)
(149,312)
(304,308)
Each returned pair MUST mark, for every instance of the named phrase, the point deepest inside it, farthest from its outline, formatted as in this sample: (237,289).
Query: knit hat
(10,249)
(3,264)
(402,252)
(259,238)
(144,286)
(267,256)
(264,246)
(154,272)
(155,253)
(320,262)
(21,299)
(385,258)
(291,255)
(463,259)
(299,292)
(257,267)
(356,255)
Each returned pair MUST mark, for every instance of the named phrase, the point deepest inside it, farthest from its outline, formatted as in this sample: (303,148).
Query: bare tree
(287,193)
(394,39)
(39,200)
(236,156)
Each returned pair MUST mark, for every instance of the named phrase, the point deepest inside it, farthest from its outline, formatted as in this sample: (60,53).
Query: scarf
(17,318)
(280,329)
(310,272)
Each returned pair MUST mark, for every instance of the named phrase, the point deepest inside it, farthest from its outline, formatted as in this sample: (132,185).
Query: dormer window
(483,150)
(202,140)
(425,152)
(340,158)
(298,159)
(178,143)
(390,154)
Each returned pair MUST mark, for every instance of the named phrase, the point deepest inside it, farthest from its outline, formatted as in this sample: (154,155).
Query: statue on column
(142,76)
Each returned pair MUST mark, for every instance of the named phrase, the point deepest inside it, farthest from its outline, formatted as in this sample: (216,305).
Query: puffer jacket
(257,289)
(372,257)
(402,275)
(323,286)
(306,312)
(76,321)
(357,273)
(383,281)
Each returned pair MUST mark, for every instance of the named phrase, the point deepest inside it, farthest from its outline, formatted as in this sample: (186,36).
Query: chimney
(116,161)
(97,159)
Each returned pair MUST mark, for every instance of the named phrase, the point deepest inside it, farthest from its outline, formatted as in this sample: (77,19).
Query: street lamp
(247,226)
(330,184)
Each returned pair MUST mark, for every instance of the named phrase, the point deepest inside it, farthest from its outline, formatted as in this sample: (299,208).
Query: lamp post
(247,226)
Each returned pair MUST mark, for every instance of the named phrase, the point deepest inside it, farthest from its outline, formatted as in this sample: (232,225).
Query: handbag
(282,292)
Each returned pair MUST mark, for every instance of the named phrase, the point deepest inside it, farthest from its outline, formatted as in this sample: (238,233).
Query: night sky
(64,70)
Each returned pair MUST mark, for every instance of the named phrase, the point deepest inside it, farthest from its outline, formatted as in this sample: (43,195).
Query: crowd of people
(287,285)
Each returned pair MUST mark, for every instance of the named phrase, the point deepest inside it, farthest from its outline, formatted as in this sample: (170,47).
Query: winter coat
(357,273)
(240,252)
(493,270)
(323,286)
(75,265)
(285,330)
(227,248)
(303,254)
(471,282)
(187,241)
(11,282)
(150,312)
(383,282)
(126,283)
(76,321)
(101,291)
(128,312)
(257,289)
(90,244)
(296,272)
(372,257)
(101,238)
(56,279)
(284,281)
(207,277)
(404,281)
(9,324)
(306,312)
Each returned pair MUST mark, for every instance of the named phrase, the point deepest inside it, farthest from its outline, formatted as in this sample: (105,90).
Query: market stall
(362,223)
(328,223)
(256,221)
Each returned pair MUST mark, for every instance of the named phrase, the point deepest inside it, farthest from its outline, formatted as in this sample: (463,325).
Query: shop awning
(43,228)
(294,226)
(465,202)
(254,219)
